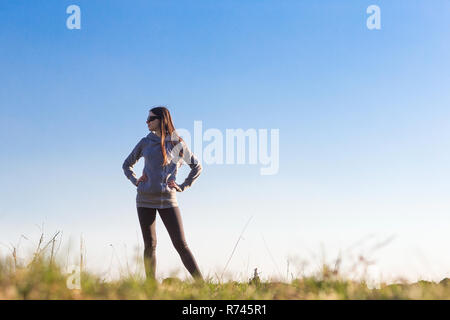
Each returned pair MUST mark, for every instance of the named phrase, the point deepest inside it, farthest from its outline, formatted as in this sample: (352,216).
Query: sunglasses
(151,118)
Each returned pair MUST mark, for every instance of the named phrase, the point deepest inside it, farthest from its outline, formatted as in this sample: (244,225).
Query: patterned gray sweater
(155,193)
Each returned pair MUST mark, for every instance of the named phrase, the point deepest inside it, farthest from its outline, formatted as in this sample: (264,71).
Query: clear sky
(363,118)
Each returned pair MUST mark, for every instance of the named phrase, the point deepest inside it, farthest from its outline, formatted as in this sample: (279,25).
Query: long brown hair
(167,129)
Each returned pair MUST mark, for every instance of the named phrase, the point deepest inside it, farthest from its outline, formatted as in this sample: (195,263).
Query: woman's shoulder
(151,137)
(146,141)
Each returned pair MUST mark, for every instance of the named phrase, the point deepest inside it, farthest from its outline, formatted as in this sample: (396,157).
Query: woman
(164,152)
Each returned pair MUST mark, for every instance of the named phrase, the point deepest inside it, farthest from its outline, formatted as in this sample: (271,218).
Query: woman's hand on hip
(172,184)
(142,178)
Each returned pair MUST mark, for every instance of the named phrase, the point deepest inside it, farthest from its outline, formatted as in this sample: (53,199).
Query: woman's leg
(148,226)
(171,218)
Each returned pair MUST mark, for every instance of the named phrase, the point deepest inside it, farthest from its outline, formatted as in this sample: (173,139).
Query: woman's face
(154,124)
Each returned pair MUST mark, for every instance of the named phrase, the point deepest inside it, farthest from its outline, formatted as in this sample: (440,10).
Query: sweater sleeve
(131,160)
(195,166)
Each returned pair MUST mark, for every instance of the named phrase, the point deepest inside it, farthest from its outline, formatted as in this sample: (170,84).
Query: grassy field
(43,277)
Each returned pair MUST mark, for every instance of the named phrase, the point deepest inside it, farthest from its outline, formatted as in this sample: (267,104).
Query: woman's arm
(131,160)
(195,165)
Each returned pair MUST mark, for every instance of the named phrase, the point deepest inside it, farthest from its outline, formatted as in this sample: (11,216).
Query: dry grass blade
(235,246)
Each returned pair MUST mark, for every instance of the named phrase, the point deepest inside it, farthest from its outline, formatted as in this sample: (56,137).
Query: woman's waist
(159,174)
(155,186)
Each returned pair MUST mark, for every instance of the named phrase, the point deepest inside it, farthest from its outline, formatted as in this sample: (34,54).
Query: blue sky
(363,118)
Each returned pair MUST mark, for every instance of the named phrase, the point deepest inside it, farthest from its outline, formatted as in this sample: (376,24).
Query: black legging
(172,220)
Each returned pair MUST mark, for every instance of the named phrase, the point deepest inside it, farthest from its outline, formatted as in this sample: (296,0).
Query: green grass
(43,277)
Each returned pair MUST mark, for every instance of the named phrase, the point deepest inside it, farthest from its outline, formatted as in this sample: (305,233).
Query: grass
(44,277)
